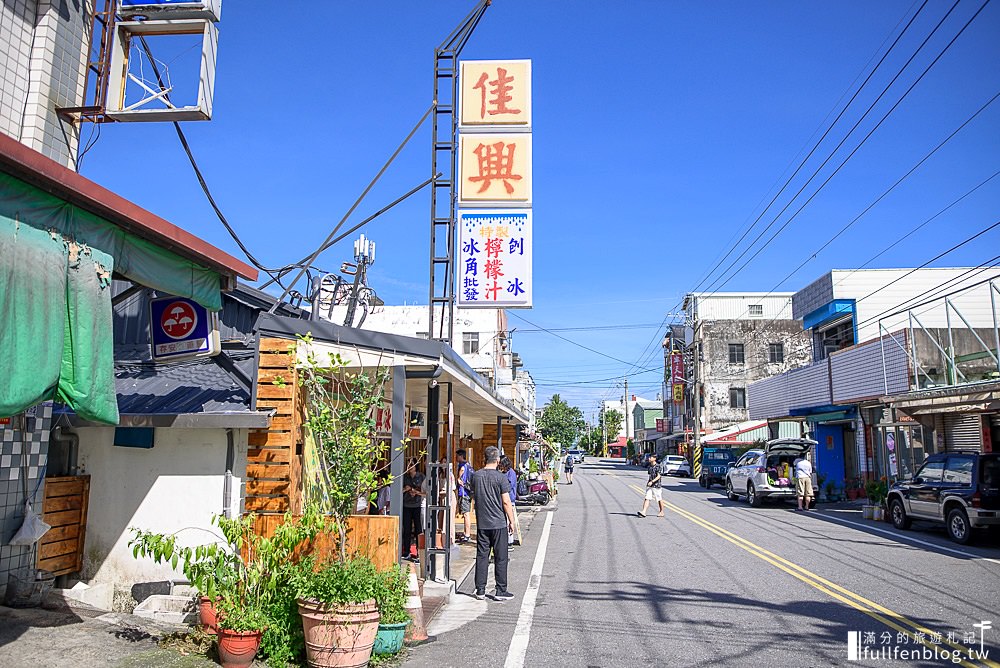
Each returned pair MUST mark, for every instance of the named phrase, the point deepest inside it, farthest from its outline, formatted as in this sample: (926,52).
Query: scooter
(532,490)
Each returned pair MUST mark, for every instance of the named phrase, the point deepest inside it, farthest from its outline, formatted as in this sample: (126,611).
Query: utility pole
(696,464)
(604,427)
(628,422)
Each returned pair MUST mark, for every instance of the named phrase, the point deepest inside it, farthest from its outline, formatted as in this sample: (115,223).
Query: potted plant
(340,616)
(851,489)
(243,580)
(832,493)
(390,596)
(876,490)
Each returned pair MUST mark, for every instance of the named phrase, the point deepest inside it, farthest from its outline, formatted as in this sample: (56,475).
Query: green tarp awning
(56,262)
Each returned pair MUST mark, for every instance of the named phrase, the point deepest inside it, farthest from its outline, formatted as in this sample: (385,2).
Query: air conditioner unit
(210,10)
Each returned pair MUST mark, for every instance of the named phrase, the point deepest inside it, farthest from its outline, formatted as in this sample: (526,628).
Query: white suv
(761,474)
(676,465)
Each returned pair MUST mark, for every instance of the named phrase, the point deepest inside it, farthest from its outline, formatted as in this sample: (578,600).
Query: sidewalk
(63,633)
(438,595)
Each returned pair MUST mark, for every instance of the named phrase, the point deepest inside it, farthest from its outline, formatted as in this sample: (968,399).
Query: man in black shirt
(653,488)
(494,521)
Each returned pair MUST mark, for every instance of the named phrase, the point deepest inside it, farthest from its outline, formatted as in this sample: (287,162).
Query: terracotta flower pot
(237,649)
(339,635)
(208,615)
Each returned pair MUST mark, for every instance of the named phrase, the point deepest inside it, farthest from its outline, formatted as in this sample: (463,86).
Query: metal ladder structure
(444,171)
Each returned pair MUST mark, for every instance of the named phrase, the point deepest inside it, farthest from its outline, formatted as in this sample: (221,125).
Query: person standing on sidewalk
(654,491)
(494,523)
(464,496)
(507,468)
(803,481)
(413,498)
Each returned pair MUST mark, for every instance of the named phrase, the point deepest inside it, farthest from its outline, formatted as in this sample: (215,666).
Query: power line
(851,223)
(856,148)
(819,143)
(559,336)
(642,358)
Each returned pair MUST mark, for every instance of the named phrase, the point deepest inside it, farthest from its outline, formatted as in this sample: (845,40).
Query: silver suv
(761,474)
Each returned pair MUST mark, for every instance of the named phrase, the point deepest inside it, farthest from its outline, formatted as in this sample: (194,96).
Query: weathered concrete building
(736,339)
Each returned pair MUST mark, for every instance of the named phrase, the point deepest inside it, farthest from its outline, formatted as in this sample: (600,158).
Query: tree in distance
(560,422)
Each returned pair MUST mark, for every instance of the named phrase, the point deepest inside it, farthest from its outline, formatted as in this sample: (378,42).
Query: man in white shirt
(803,481)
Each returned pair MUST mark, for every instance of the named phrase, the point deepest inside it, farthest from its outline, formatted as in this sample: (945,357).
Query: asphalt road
(716,582)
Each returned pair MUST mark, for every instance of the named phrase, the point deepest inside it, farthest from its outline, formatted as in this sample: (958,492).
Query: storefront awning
(471,393)
(62,238)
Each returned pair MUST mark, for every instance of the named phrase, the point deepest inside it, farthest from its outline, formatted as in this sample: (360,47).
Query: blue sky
(660,131)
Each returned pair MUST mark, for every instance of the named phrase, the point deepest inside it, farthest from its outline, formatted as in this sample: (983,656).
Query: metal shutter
(963,431)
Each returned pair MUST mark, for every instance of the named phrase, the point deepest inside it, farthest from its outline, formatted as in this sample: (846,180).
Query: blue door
(830,453)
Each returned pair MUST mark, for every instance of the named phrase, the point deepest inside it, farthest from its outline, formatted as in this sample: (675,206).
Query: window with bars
(470,343)
(736,355)
(775,353)
(756,310)
(737,397)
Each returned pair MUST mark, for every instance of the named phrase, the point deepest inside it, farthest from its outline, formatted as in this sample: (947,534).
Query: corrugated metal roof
(199,386)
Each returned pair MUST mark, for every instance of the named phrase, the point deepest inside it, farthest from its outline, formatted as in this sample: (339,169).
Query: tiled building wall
(44,44)
(16,20)
(24,450)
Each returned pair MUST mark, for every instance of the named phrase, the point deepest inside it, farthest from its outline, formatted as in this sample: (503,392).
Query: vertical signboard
(496,93)
(494,190)
(677,377)
(494,259)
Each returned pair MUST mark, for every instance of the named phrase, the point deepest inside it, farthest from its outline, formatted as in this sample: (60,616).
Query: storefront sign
(181,328)
(494,259)
(677,377)
(495,169)
(678,390)
(495,93)
(661,425)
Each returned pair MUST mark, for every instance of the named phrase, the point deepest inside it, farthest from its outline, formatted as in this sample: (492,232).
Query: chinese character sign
(677,377)
(496,92)
(494,259)
(495,168)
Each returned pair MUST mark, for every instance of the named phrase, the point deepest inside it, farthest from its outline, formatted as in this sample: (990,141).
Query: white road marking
(894,534)
(519,643)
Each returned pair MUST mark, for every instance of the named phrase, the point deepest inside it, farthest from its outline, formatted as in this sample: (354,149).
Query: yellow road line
(832,589)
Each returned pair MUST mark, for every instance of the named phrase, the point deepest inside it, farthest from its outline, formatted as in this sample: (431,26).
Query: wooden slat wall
(375,536)
(273,462)
(64,508)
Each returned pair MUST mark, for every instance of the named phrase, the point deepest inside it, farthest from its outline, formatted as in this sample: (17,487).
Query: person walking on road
(803,482)
(464,496)
(494,523)
(568,468)
(654,491)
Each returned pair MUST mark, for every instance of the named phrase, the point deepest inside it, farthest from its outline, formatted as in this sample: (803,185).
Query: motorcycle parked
(532,490)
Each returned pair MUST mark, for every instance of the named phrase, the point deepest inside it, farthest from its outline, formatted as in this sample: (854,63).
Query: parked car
(578,456)
(676,465)
(758,473)
(714,465)
(958,489)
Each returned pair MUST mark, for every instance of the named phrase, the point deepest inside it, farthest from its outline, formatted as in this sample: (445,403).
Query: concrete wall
(737,305)
(718,375)
(177,485)
(44,45)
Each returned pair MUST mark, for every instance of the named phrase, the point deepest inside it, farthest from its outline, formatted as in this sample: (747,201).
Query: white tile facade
(43,46)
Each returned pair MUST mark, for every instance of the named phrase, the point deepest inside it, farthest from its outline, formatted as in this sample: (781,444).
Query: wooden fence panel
(375,536)
(271,457)
(64,508)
